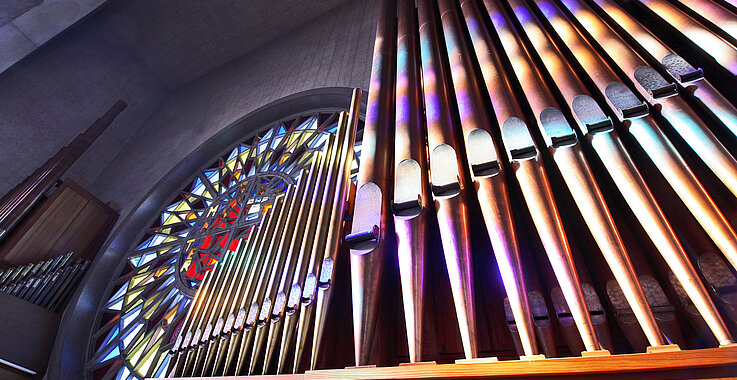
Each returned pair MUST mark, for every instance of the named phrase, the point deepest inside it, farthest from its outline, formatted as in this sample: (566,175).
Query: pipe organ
(538,179)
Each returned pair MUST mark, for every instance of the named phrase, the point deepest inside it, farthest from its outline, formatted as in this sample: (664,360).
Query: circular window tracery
(148,301)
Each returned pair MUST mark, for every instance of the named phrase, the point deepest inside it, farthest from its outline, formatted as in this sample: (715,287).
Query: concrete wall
(333,50)
(57,92)
(27,24)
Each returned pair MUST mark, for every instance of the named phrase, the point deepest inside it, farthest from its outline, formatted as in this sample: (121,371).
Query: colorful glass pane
(207,218)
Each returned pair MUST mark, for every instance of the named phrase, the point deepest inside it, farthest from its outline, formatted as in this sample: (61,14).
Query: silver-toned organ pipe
(483,157)
(329,261)
(300,280)
(561,141)
(597,128)
(686,123)
(656,52)
(528,167)
(451,183)
(632,111)
(713,16)
(372,229)
(719,49)
(412,201)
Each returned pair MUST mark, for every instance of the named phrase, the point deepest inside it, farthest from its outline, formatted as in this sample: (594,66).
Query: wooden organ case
(546,188)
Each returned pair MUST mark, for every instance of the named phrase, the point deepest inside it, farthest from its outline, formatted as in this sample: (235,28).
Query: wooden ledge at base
(687,364)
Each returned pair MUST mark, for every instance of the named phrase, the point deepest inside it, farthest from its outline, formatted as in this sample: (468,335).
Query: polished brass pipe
(723,22)
(188,320)
(562,143)
(208,341)
(482,151)
(684,120)
(451,184)
(371,235)
(411,183)
(528,168)
(630,109)
(244,296)
(272,270)
(329,261)
(265,259)
(723,52)
(290,285)
(324,211)
(283,260)
(222,329)
(291,264)
(691,79)
(195,345)
(319,242)
(299,280)
(245,273)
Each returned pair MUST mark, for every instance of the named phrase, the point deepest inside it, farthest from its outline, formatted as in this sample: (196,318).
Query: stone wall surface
(25,25)
(59,91)
(333,50)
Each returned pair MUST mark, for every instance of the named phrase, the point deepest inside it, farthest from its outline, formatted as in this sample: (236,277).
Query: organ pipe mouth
(681,70)
(654,83)
(517,140)
(627,104)
(407,189)
(444,172)
(591,118)
(556,130)
(366,233)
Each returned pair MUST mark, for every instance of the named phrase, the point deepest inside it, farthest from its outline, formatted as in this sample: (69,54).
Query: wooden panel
(691,364)
(27,333)
(72,219)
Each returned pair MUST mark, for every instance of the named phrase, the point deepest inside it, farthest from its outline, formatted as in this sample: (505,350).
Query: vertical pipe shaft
(451,184)
(492,190)
(372,216)
(411,183)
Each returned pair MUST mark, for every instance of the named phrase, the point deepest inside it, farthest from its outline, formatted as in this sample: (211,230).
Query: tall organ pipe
(723,52)
(303,245)
(561,141)
(713,16)
(608,237)
(689,77)
(349,123)
(450,183)
(528,167)
(412,199)
(663,94)
(317,250)
(290,288)
(483,155)
(685,122)
(633,113)
(279,293)
(370,238)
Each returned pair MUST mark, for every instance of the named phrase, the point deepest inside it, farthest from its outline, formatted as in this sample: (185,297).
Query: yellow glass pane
(182,206)
(135,354)
(161,270)
(169,317)
(144,366)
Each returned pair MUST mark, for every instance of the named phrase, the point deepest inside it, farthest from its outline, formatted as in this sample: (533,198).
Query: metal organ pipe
(634,114)
(530,173)
(371,235)
(449,177)
(463,99)
(412,201)
(483,157)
